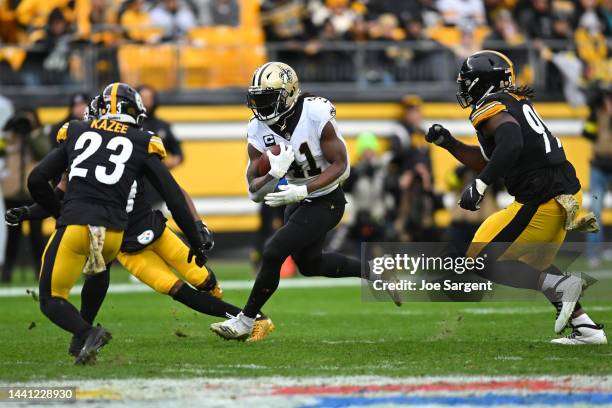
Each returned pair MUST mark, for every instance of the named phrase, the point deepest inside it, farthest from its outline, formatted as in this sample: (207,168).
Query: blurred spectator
(464,223)
(334,17)
(286,20)
(76,110)
(536,20)
(224,12)
(162,129)
(592,47)
(26,144)
(97,27)
(410,176)
(136,23)
(457,12)
(598,129)
(216,12)
(34,14)
(507,38)
(599,10)
(289,21)
(468,44)
(48,61)
(174,18)
(425,53)
(384,64)
(368,196)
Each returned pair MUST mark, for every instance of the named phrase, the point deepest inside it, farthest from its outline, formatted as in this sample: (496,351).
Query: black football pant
(303,236)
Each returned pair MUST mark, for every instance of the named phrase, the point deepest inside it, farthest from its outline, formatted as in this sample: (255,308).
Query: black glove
(439,135)
(206,234)
(473,195)
(199,253)
(14,216)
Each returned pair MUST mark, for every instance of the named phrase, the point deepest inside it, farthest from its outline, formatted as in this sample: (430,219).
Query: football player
(516,145)
(314,160)
(149,251)
(103,158)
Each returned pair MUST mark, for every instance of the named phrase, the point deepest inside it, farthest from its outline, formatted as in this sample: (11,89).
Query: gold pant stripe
(65,255)
(154,265)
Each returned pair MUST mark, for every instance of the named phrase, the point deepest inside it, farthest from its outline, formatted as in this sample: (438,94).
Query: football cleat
(569,290)
(236,328)
(76,344)
(583,334)
(261,329)
(396,296)
(97,338)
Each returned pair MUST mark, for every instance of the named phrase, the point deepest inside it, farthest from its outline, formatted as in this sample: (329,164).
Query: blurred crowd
(571,37)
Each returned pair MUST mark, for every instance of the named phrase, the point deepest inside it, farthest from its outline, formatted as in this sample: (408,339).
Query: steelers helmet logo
(146,237)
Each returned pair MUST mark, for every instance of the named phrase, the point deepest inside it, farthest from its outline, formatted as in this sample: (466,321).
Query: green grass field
(320,332)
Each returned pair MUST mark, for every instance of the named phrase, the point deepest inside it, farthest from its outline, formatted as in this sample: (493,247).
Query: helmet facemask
(267,104)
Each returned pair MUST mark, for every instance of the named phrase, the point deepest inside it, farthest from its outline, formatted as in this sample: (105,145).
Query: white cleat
(237,328)
(391,276)
(583,334)
(569,289)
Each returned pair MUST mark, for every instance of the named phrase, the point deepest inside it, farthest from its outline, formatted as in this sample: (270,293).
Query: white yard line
(229,284)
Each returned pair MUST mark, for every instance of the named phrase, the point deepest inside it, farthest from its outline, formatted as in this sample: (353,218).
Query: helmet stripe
(113,98)
(259,74)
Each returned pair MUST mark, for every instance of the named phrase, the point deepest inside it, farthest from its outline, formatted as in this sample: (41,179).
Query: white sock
(249,321)
(550,281)
(582,319)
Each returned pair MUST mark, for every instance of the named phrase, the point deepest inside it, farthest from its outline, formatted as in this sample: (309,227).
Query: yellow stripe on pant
(153,265)
(536,233)
(65,255)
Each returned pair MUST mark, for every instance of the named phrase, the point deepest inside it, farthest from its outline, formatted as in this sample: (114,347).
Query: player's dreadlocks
(522,90)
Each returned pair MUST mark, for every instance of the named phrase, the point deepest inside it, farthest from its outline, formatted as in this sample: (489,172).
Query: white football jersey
(306,143)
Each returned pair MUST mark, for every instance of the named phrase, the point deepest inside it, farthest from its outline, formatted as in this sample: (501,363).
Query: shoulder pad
(319,109)
(62,133)
(156,146)
(488,107)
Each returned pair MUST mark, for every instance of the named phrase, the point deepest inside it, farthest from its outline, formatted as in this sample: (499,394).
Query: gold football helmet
(273,92)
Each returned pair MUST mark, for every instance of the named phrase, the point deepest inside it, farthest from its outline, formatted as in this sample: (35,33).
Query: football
(263,163)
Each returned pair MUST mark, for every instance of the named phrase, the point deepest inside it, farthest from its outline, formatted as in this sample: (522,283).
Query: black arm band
(37,212)
(508,146)
(164,183)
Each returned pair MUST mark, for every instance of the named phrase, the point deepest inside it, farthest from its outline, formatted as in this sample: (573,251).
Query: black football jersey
(542,171)
(104,159)
(145,225)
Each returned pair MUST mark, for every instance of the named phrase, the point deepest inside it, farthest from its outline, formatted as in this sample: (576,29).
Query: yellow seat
(154,65)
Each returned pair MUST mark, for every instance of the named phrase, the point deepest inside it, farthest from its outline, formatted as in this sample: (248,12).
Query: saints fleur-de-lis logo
(285,74)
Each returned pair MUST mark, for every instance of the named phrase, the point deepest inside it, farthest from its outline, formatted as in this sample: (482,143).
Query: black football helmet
(122,103)
(482,73)
(91,112)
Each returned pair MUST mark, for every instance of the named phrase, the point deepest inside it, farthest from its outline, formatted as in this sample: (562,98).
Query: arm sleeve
(164,183)
(38,182)
(37,212)
(508,146)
